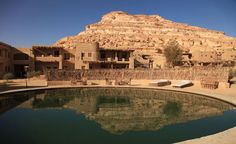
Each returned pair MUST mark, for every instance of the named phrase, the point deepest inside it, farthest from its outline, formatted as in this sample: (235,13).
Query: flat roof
(115,49)
(5,44)
(46,46)
(114,62)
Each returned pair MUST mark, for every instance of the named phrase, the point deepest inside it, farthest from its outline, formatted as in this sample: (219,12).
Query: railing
(48,58)
(111,59)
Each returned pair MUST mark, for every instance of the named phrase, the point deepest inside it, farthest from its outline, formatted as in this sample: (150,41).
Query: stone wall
(218,74)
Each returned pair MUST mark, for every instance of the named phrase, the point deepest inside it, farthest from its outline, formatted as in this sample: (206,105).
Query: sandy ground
(227,94)
(225,137)
(21,84)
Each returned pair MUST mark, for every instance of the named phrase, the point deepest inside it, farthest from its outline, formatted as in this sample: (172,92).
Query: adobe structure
(42,58)
(121,40)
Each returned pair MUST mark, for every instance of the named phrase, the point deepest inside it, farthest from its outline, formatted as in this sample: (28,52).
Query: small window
(55,67)
(0,53)
(89,54)
(103,54)
(82,56)
(6,52)
(56,53)
(124,55)
(48,67)
(65,67)
(66,56)
(82,67)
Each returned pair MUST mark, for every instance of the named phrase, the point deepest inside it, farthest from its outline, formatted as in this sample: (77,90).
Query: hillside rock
(147,33)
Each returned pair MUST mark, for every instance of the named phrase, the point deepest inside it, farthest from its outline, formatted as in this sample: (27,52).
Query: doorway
(19,71)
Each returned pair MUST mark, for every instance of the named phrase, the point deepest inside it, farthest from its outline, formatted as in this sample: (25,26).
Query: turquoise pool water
(109,115)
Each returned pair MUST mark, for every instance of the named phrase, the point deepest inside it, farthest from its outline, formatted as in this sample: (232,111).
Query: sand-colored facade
(42,58)
(220,57)
(5,58)
(84,56)
(22,61)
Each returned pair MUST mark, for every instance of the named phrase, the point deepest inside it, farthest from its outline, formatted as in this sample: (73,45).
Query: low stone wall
(218,74)
(55,83)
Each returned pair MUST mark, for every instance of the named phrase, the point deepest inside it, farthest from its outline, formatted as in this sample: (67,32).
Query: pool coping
(209,95)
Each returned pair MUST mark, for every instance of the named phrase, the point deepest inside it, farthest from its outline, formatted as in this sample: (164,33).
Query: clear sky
(24,23)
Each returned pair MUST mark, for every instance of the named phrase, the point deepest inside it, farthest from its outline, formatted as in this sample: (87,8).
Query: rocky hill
(147,32)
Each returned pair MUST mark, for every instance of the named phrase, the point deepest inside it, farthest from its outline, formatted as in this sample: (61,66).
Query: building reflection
(121,110)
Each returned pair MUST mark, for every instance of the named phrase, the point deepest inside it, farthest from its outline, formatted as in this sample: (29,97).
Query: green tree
(173,53)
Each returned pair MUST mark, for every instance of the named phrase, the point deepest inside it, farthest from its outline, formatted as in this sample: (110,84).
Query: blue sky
(24,23)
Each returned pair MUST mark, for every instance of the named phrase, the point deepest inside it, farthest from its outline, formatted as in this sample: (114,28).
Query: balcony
(48,58)
(115,60)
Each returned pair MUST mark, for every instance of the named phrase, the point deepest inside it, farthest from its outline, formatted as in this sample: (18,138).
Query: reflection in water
(121,110)
(172,109)
(10,101)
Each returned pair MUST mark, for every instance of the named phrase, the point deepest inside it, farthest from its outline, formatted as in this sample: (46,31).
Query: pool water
(110,115)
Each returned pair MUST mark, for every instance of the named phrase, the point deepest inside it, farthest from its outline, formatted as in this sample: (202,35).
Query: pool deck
(225,94)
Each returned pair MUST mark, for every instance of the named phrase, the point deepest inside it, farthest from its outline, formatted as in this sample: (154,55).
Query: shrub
(33,74)
(8,76)
(173,53)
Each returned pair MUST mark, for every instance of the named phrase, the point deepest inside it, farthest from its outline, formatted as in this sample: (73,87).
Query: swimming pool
(110,115)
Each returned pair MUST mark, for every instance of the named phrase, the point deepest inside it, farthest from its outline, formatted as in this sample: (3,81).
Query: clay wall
(5,59)
(198,73)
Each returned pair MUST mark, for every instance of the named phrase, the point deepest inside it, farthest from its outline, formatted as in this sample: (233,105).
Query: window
(82,56)
(124,55)
(6,52)
(48,67)
(55,67)
(56,53)
(103,55)
(89,54)
(21,56)
(0,53)
(65,67)
(66,56)
(82,67)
